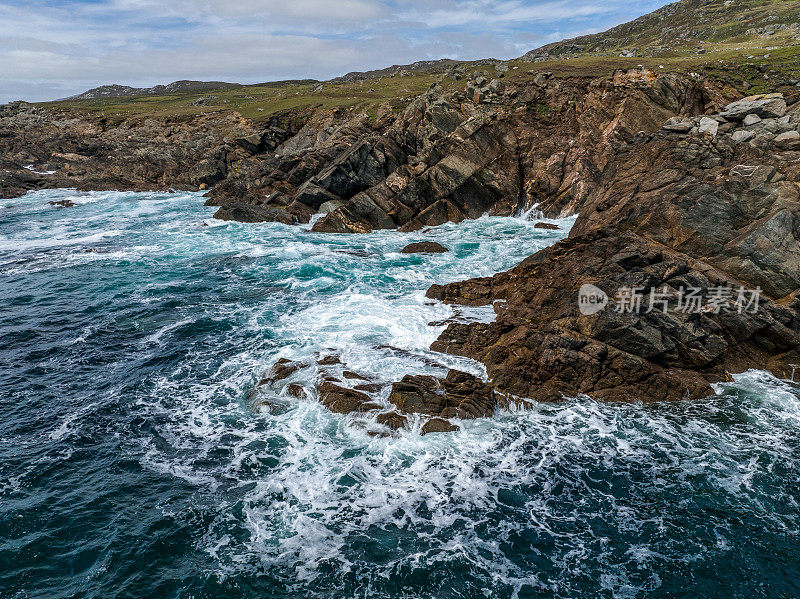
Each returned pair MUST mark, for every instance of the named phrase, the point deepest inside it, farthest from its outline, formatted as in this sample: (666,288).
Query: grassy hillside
(692,26)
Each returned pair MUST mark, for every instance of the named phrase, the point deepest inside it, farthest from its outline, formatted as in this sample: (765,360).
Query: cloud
(55,48)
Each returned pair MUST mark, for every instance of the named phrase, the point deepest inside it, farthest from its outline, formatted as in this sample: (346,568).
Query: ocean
(136,462)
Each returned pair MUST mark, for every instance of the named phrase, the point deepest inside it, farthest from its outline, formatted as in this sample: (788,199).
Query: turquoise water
(133,464)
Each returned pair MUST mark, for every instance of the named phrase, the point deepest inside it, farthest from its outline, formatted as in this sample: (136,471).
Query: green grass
(259,102)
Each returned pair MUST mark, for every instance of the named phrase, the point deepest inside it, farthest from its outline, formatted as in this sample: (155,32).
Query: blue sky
(54,48)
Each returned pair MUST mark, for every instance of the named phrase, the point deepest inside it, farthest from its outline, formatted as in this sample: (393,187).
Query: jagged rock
(693,196)
(542,346)
(742,136)
(424,247)
(458,395)
(283,369)
(343,400)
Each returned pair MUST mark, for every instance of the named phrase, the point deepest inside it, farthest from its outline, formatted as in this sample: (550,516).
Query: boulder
(393,420)
(708,125)
(762,105)
(438,425)
(458,395)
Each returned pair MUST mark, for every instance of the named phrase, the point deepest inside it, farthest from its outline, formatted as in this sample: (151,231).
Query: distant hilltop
(120,91)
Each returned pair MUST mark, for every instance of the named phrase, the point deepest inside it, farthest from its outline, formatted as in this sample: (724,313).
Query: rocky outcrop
(734,205)
(48,149)
(459,395)
(689,246)
(543,347)
(499,149)
(677,180)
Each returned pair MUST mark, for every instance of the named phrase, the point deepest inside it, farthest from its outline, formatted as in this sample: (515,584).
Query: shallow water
(132,463)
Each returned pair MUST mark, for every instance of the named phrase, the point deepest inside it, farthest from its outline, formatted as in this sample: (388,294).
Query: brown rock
(542,347)
(294,390)
(62,203)
(283,369)
(458,395)
(369,387)
(424,247)
(349,374)
(343,400)
(393,420)
(329,360)
(438,425)
(548,226)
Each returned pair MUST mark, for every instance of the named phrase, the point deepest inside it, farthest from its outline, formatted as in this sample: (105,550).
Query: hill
(121,91)
(690,26)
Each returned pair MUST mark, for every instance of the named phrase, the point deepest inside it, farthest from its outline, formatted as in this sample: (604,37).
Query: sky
(52,49)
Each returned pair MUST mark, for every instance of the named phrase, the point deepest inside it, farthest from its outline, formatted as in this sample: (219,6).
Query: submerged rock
(62,203)
(284,368)
(548,226)
(424,247)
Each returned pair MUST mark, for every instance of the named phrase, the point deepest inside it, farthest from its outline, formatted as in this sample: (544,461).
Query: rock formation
(685,208)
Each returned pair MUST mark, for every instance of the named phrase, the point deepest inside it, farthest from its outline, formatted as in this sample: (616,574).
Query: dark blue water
(133,464)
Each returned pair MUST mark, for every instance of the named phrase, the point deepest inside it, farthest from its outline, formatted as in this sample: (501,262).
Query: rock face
(448,157)
(442,157)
